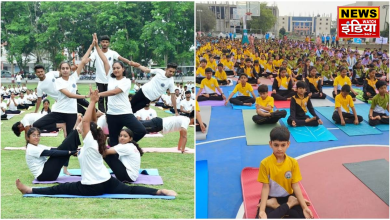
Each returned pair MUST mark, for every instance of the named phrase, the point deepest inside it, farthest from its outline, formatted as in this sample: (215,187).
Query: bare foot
(23,188)
(377,117)
(79,128)
(78,121)
(166,192)
(292,201)
(385,116)
(65,171)
(248,104)
(272,203)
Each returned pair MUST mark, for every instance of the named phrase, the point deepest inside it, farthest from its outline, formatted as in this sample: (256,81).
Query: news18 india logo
(358,22)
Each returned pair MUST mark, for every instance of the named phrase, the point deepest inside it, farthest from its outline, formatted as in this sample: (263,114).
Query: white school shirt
(131,159)
(158,85)
(3,105)
(19,78)
(30,118)
(136,87)
(193,96)
(175,123)
(35,161)
(43,113)
(65,104)
(24,100)
(187,105)
(92,167)
(119,104)
(12,106)
(47,86)
(178,100)
(143,114)
(25,88)
(167,99)
(101,76)
(102,123)
(17,90)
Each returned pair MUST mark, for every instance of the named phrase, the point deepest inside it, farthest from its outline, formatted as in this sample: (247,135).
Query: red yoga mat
(280,104)
(251,192)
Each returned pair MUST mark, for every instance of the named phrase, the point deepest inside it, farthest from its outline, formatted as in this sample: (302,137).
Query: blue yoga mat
(240,107)
(104,196)
(169,112)
(202,181)
(364,110)
(77,172)
(350,129)
(309,134)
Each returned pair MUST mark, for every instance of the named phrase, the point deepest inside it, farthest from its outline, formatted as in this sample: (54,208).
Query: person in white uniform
(28,121)
(146,113)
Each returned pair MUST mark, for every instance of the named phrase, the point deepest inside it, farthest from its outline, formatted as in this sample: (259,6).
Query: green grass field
(177,171)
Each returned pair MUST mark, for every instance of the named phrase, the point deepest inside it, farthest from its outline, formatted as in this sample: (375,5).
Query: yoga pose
(379,105)
(342,80)
(95,178)
(146,113)
(343,103)
(12,105)
(264,108)
(250,72)
(282,86)
(209,85)
(244,90)
(314,85)
(369,85)
(28,121)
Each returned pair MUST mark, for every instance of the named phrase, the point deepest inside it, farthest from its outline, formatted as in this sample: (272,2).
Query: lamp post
(200,21)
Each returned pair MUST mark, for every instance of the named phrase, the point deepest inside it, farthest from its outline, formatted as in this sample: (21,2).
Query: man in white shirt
(178,100)
(3,107)
(46,84)
(187,105)
(146,113)
(101,77)
(157,86)
(12,105)
(19,78)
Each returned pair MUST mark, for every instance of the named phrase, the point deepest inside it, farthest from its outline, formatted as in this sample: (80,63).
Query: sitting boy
(379,105)
(243,88)
(209,85)
(264,108)
(343,103)
(281,195)
(299,105)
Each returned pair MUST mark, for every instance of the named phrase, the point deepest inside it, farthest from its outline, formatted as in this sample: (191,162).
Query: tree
(207,17)
(265,21)
(282,31)
(385,32)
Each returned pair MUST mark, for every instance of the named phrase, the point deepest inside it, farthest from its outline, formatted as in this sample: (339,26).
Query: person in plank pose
(282,86)
(264,108)
(48,169)
(28,121)
(95,178)
(314,85)
(299,105)
(153,89)
(281,194)
(244,90)
(379,105)
(343,103)
(209,85)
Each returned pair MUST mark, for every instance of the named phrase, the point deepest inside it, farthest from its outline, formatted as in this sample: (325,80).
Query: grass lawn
(177,171)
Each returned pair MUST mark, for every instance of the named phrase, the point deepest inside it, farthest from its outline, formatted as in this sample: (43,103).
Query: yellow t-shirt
(197,106)
(287,70)
(257,68)
(262,62)
(220,75)
(249,72)
(243,91)
(279,176)
(229,64)
(269,68)
(340,81)
(212,65)
(277,63)
(201,71)
(269,101)
(371,82)
(283,82)
(238,56)
(209,85)
(314,81)
(344,103)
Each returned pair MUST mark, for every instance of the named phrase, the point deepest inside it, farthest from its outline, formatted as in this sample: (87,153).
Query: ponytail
(141,152)
(99,136)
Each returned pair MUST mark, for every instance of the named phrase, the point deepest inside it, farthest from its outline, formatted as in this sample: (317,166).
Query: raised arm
(144,69)
(85,58)
(101,54)
(88,117)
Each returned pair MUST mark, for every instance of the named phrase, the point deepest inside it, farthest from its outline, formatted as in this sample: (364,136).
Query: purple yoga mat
(212,103)
(142,179)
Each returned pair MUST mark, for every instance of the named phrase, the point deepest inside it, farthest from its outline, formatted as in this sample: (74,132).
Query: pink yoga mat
(166,150)
(142,179)
(15,148)
(51,134)
(154,135)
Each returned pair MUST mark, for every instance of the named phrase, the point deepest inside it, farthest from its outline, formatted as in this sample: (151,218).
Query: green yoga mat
(256,134)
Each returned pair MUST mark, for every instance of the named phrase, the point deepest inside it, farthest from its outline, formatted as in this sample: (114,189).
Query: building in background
(318,25)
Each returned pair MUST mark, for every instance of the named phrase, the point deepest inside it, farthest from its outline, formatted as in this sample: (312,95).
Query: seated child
(264,108)
(269,69)
(243,88)
(220,75)
(200,72)
(200,126)
(358,74)
(343,103)
(379,105)
(282,86)
(369,85)
(280,174)
(314,85)
(342,80)
(327,76)
(253,77)
(209,85)
(299,105)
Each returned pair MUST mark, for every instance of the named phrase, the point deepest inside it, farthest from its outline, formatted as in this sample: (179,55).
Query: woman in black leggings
(96,180)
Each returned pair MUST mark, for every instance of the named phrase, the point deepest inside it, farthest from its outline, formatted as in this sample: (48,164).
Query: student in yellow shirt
(269,69)
(253,78)
(257,67)
(327,77)
(369,85)
(264,108)
(200,125)
(289,72)
(229,65)
(280,175)
(343,103)
(262,61)
(282,86)
(341,80)
(244,89)
(220,75)
(200,72)
(209,85)
(211,63)
(277,62)
(314,85)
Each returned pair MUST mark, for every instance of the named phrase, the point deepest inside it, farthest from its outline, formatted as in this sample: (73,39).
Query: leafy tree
(385,32)
(265,21)
(207,17)
(332,31)
(282,31)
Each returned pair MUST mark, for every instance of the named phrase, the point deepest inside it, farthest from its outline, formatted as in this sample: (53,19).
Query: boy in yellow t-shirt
(209,86)
(264,108)
(342,80)
(343,103)
(244,89)
(280,175)
(220,75)
(200,71)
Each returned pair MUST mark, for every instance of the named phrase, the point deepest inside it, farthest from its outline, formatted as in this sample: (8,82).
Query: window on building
(222,12)
(283,18)
(320,23)
(319,28)
(326,19)
(326,23)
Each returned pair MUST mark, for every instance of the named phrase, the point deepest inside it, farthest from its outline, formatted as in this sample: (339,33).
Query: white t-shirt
(144,114)
(193,96)
(43,113)
(158,85)
(131,159)
(174,123)
(19,78)
(119,104)
(187,105)
(136,87)
(35,161)
(65,104)
(167,99)
(101,76)
(178,100)
(102,123)
(3,105)
(30,118)
(23,100)
(48,85)
(92,167)
(12,106)
(25,88)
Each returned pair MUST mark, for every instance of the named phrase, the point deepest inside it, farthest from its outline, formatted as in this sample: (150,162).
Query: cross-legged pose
(379,105)
(264,108)
(244,90)
(314,85)
(209,85)
(95,178)
(282,86)
(343,103)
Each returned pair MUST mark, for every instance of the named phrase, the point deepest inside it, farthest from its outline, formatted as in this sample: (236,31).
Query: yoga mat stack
(205,112)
